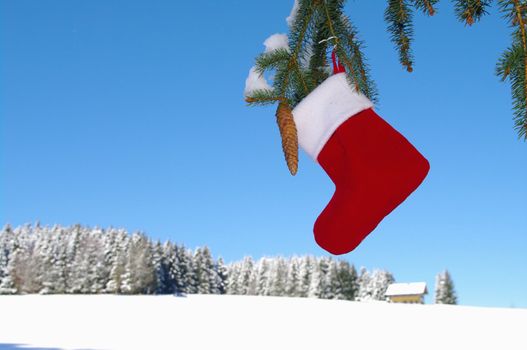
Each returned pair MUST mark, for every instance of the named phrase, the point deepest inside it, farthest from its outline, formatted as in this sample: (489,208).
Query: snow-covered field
(243,322)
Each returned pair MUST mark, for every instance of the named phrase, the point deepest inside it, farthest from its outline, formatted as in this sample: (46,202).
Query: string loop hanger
(337,66)
(328,39)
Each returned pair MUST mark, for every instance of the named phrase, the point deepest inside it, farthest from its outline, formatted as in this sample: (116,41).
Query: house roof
(415,288)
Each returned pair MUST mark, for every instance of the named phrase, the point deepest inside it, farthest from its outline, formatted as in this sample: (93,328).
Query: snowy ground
(242,322)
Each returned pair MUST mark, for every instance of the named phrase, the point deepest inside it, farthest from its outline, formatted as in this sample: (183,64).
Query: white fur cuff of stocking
(321,112)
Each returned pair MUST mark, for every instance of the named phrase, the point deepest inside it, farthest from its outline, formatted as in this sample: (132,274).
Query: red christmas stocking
(374,168)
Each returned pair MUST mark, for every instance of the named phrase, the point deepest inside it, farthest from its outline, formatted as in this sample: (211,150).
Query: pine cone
(286,124)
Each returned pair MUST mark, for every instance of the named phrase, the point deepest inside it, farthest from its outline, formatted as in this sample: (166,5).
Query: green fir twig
(398,15)
(426,6)
(513,63)
(471,11)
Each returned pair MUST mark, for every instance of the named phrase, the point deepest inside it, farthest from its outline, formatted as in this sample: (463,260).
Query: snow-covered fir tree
(169,260)
(183,271)
(276,281)
(381,279)
(161,269)
(244,276)
(117,250)
(7,285)
(252,287)
(364,292)
(205,272)
(347,280)
(233,272)
(262,269)
(53,262)
(372,286)
(292,279)
(221,276)
(139,275)
(304,275)
(316,283)
(444,289)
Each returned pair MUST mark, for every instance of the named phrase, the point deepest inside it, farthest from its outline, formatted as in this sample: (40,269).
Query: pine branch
(272,60)
(513,63)
(510,60)
(398,15)
(366,84)
(321,26)
(426,6)
(333,14)
(318,63)
(471,11)
(519,104)
(297,38)
(291,84)
(301,78)
(262,97)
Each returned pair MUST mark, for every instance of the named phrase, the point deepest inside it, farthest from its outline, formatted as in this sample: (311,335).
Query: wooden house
(406,292)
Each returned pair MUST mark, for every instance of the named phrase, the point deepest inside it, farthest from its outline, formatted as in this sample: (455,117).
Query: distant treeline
(83,260)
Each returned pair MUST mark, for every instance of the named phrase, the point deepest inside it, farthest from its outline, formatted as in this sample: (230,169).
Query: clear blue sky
(130,114)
